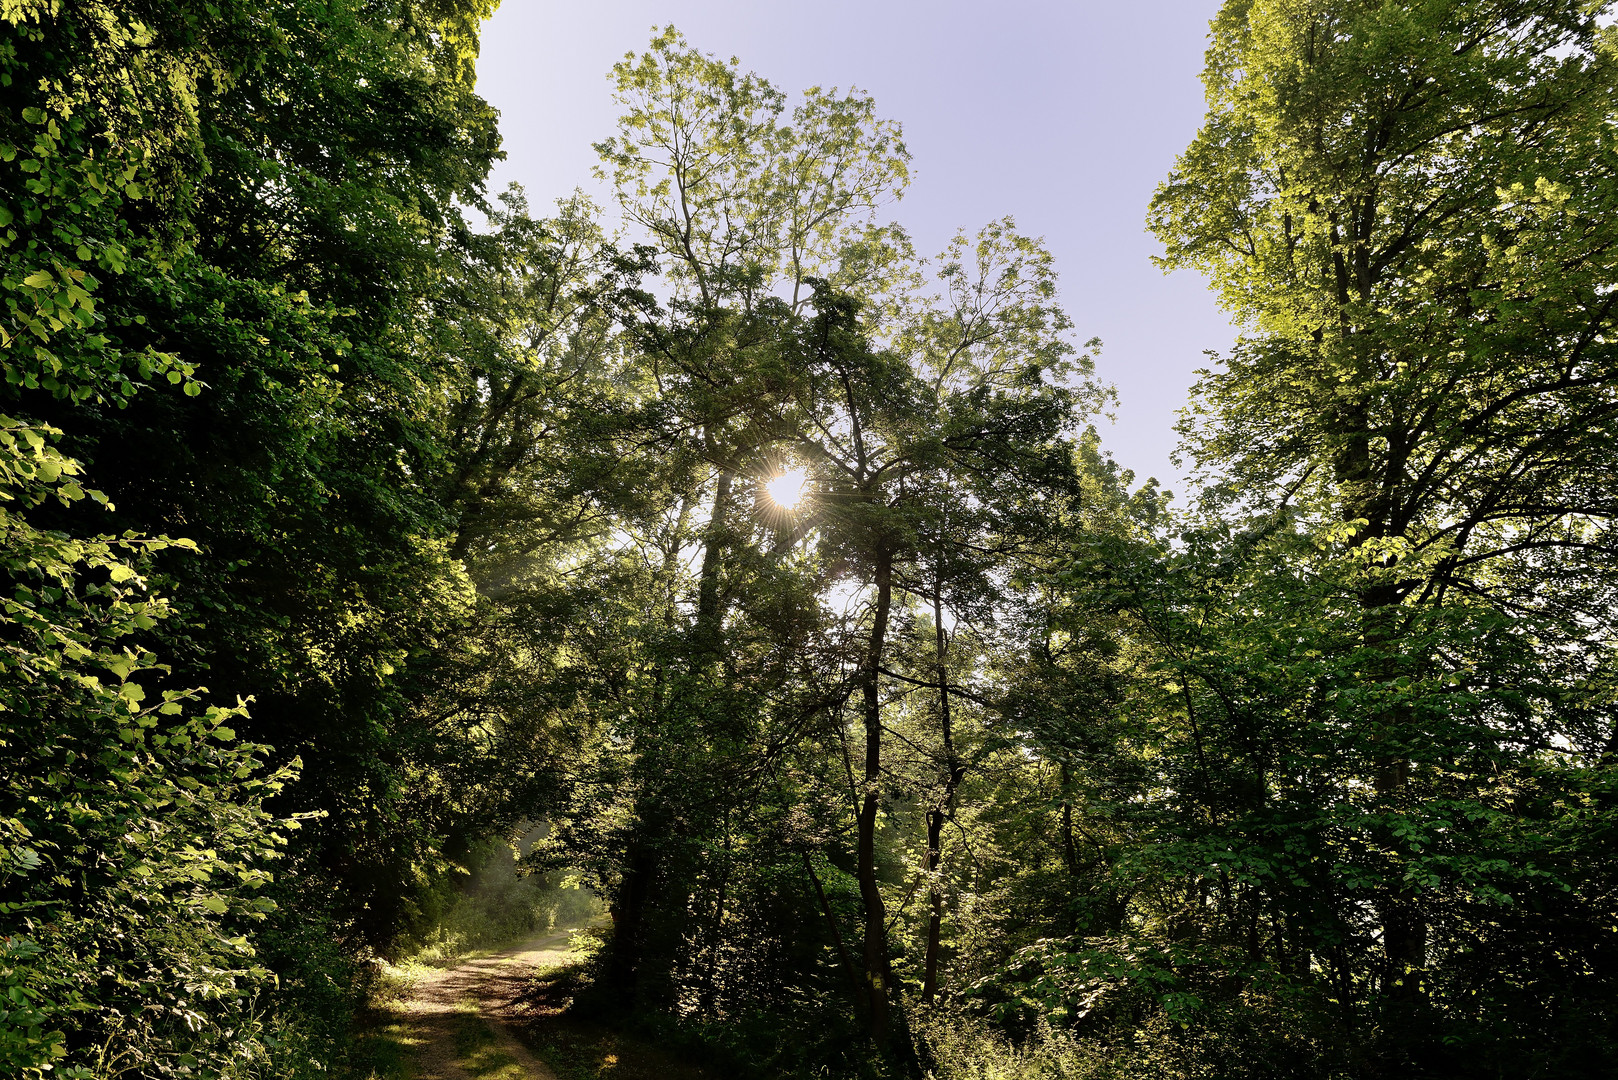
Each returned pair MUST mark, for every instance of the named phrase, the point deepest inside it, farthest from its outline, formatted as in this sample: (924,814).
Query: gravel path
(445,1006)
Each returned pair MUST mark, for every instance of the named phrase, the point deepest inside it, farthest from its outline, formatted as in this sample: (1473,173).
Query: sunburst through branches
(788,489)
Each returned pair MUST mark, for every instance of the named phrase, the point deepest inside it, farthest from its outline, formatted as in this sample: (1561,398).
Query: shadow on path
(463,1019)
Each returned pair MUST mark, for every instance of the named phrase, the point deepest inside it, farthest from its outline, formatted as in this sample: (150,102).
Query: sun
(788,489)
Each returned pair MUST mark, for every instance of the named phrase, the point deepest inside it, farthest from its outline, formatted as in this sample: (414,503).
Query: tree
(134,843)
(741,205)
(799,334)
(226,229)
(742,202)
(296,251)
(1411,207)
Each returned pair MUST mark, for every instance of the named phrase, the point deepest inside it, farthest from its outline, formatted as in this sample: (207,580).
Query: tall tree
(742,201)
(295,268)
(1411,207)
(230,233)
(134,843)
(800,338)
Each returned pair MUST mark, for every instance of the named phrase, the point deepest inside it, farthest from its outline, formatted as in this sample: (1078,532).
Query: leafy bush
(134,844)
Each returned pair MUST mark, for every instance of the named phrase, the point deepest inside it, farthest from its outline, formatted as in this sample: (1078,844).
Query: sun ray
(788,489)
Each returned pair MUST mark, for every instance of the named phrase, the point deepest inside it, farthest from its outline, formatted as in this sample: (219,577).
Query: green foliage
(978,759)
(730,698)
(135,843)
(1371,665)
(204,264)
(134,846)
(290,243)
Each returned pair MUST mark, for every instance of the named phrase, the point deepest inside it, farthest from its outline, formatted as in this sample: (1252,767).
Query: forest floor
(505,1016)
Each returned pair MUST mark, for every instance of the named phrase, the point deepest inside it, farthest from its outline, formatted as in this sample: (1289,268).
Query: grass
(478,1051)
(384,1046)
(384,1052)
(444,954)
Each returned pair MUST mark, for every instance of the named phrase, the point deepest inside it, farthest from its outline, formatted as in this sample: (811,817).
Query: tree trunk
(710,611)
(1070,851)
(628,917)
(877,976)
(1404,929)
(955,769)
(642,860)
(836,932)
(716,932)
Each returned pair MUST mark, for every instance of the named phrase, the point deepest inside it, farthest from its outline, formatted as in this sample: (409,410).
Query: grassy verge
(384,1043)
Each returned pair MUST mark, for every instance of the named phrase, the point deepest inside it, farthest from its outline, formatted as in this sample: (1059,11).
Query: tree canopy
(773,580)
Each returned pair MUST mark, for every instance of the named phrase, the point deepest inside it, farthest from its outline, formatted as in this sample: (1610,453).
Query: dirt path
(463,1019)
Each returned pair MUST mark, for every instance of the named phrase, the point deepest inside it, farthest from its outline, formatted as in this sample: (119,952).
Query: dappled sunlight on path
(462,1019)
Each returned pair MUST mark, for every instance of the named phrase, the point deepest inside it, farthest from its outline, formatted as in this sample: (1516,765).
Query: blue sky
(1064,115)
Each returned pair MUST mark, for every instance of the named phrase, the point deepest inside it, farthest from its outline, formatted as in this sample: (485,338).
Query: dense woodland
(356,517)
